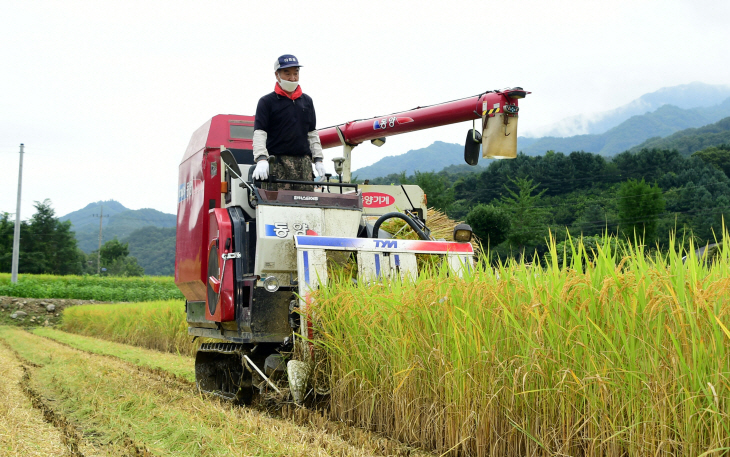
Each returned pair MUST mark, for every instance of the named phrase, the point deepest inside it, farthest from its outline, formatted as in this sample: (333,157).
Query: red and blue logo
(281,230)
(390,122)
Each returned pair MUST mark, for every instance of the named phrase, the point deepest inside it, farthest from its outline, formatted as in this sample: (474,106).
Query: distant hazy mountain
(685,96)
(692,140)
(656,114)
(83,219)
(436,157)
(120,223)
(664,121)
(659,123)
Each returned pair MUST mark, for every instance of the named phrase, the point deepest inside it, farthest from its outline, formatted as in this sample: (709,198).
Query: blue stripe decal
(306,267)
(397,260)
(270,230)
(377,265)
(331,241)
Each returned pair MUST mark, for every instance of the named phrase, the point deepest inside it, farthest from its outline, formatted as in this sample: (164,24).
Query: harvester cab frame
(248,259)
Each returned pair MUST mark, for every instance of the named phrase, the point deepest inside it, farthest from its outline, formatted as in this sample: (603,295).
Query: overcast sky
(105,95)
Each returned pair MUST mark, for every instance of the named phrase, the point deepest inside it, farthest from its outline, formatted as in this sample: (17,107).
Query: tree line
(48,246)
(513,205)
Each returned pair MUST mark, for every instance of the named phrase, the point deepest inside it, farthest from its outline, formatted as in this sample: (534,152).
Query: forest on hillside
(514,205)
(48,246)
(691,140)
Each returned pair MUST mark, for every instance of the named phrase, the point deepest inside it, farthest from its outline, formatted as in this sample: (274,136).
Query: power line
(98,255)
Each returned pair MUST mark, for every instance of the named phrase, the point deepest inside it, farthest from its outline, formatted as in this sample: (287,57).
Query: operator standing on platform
(285,131)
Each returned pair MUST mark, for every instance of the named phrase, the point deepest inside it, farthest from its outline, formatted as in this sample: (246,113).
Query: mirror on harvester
(230,161)
(471,147)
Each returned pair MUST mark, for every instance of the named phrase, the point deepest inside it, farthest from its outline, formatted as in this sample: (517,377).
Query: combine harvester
(248,258)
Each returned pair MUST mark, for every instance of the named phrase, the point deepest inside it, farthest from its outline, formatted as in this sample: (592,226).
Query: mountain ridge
(120,223)
(686,96)
(691,140)
(435,157)
(662,122)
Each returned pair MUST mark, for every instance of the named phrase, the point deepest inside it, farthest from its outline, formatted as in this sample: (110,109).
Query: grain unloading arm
(498,111)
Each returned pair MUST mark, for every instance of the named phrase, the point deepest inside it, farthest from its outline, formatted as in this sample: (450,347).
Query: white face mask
(289,86)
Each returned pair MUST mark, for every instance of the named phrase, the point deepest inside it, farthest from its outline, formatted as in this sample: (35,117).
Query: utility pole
(16,234)
(98,253)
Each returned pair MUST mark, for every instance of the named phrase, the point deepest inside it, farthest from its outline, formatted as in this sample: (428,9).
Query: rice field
(158,325)
(617,353)
(91,287)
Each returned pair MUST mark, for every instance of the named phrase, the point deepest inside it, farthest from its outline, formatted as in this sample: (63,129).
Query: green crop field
(616,353)
(130,289)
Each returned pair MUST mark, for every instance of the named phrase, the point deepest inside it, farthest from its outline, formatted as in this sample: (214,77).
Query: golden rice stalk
(439,223)
(441,226)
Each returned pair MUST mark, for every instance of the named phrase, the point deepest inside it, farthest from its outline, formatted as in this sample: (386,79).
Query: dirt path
(116,405)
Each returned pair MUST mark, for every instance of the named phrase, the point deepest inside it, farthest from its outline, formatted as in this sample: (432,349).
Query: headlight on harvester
(271,284)
(462,233)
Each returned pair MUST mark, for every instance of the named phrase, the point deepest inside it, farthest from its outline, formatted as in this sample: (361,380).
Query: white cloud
(106,95)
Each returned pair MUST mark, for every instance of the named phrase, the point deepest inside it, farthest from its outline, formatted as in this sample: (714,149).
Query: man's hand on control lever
(319,167)
(261,173)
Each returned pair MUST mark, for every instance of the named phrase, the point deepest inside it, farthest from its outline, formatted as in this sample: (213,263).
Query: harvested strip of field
(23,432)
(115,403)
(182,366)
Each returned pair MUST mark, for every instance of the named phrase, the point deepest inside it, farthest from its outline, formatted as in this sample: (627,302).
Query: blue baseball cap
(286,61)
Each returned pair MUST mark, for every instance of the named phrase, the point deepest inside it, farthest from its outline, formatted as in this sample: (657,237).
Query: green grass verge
(158,325)
(179,365)
(91,287)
